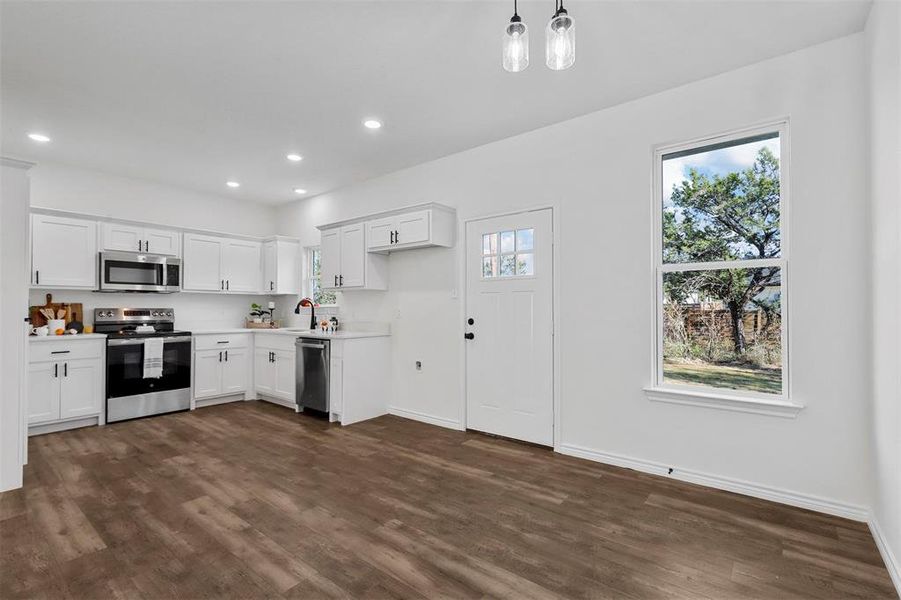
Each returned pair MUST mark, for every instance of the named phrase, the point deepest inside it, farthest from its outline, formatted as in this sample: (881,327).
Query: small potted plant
(257,312)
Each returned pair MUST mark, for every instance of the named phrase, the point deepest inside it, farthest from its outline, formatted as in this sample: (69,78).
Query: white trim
(891,562)
(415,415)
(782,496)
(213,401)
(725,401)
(659,267)
(76,423)
(388,213)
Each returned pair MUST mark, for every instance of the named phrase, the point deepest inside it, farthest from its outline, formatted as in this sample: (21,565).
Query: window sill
(760,406)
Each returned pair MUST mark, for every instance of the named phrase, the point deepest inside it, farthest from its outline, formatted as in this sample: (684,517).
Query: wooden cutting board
(73,310)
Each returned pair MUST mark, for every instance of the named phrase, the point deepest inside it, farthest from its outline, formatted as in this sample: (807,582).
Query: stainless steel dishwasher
(312,373)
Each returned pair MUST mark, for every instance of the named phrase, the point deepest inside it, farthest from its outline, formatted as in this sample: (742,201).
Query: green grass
(735,377)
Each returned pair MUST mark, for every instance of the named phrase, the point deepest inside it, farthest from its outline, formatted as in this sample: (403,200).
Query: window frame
(308,287)
(724,398)
(516,252)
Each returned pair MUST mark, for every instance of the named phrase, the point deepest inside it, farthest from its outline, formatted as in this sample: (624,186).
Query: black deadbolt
(471,321)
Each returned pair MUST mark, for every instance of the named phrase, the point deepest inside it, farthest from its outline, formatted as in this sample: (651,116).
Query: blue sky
(715,162)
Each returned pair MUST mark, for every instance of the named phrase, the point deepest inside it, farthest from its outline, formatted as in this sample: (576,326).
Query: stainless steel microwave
(139,272)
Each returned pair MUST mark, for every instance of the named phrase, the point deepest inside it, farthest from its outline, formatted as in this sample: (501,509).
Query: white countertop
(67,337)
(338,335)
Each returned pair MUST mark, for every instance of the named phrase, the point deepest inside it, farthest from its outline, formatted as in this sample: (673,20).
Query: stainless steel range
(132,390)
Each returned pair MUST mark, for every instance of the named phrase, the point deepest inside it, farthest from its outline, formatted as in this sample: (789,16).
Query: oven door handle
(178,338)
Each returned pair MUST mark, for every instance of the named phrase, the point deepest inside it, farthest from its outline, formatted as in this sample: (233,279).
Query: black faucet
(307,302)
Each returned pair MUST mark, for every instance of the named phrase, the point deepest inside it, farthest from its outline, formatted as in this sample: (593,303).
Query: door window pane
(489,266)
(507,241)
(524,239)
(525,264)
(508,265)
(723,329)
(489,243)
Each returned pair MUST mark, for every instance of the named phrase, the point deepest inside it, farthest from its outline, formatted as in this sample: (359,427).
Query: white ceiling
(195,93)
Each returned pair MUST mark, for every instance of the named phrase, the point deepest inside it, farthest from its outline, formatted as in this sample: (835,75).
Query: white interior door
(509,300)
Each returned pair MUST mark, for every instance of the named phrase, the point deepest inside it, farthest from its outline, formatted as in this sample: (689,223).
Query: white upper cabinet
(281,267)
(243,260)
(406,230)
(134,238)
(219,264)
(63,252)
(345,262)
(202,264)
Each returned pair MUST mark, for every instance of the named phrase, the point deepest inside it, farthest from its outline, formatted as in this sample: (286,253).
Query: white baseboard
(888,557)
(816,503)
(204,402)
(41,429)
(425,418)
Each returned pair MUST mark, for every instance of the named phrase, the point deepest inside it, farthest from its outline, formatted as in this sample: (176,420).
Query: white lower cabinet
(273,368)
(65,384)
(221,365)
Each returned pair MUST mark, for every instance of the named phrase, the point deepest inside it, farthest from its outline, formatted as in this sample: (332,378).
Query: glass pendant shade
(561,42)
(516,46)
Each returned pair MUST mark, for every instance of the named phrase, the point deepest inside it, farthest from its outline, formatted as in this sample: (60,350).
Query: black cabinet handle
(396,237)
(469,336)
(392,236)
(60,352)
(340,280)
(221,284)
(56,370)
(271,285)
(220,356)
(272,357)
(146,245)
(65,369)
(37,277)
(139,245)
(226,356)
(226,284)
(336,281)
(222,342)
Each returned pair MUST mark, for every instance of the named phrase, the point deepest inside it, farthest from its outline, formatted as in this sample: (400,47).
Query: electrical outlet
(419,365)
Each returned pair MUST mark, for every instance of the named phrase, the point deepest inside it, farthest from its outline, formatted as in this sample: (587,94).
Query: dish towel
(153,358)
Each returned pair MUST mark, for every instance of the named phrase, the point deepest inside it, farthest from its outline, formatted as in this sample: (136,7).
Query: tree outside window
(318,295)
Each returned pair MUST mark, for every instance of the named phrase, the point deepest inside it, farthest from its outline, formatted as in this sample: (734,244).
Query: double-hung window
(721,277)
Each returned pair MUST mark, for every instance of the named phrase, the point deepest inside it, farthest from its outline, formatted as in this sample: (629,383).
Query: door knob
(469,336)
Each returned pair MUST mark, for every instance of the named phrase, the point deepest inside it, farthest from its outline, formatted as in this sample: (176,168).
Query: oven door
(125,367)
(138,272)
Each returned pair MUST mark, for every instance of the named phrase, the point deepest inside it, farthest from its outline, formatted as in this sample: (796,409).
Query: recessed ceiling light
(299,191)
(372,124)
(39,137)
(232,184)
(294,157)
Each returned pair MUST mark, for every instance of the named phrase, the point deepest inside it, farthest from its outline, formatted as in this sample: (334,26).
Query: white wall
(74,189)
(597,169)
(14,275)
(883,36)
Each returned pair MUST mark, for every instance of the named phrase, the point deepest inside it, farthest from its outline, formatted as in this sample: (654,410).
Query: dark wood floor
(250,500)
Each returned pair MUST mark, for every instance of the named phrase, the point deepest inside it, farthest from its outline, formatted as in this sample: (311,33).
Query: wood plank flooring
(249,500)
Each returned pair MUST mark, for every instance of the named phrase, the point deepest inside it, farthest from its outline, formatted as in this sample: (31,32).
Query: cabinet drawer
(65,350)
(220,342)
(275,341)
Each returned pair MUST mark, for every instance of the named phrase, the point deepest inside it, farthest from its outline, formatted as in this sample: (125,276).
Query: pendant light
(516,44)
(560,45)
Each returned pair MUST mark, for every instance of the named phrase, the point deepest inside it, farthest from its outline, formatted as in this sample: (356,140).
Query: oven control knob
(169,314)
(154,314)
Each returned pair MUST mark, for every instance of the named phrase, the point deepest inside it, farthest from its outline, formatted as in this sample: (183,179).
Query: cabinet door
(242,260)
(330,257)
(270,266)
(207,373)
(80,388)
(203,263)
(288,267)
(263,372)
(380,233)
(162,241)
(64,252)
(124,238)
(235,370)
(413,228)
(43,392)
(284,375)
(353,256)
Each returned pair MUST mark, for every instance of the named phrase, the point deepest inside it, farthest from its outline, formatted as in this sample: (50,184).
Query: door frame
(555,307)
